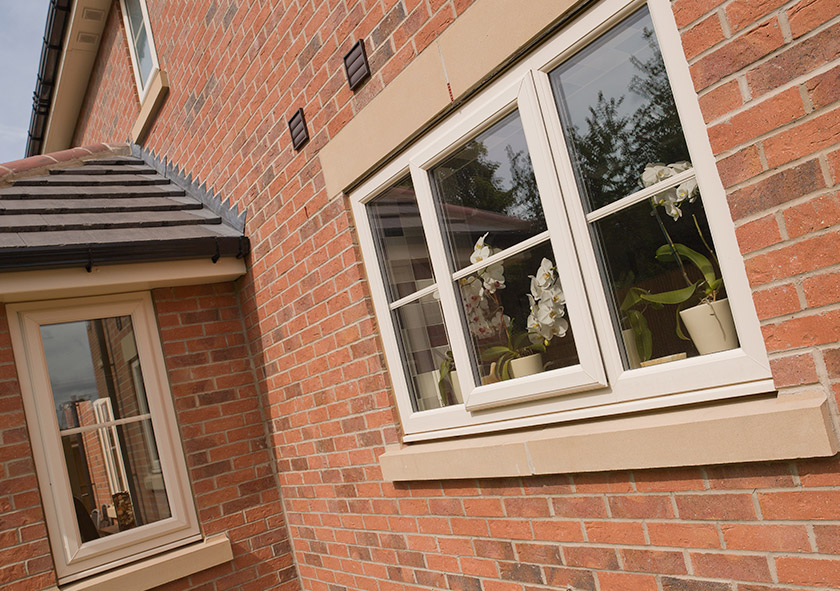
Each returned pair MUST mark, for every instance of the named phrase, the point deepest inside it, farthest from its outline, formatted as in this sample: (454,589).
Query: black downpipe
(58,18)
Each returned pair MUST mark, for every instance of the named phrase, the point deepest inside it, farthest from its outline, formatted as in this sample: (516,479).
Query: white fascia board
(21,286)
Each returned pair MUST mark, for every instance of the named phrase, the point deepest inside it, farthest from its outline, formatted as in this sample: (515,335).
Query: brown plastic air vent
(356,65)
(297,127)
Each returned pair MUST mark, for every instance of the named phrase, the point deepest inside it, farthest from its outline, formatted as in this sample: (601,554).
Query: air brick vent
(356,65)
(297,127)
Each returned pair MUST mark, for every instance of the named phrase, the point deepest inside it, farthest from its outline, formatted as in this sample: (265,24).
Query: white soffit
(81,46)
(20,286)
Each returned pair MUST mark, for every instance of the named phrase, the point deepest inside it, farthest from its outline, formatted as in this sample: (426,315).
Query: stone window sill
(160,569)
(158,88)
(745,430)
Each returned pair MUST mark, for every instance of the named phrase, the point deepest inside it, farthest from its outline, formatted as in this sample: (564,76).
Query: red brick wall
(222,425)
(767,76)
(111,104)
(25,561)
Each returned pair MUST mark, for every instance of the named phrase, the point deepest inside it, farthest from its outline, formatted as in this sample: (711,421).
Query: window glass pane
(617,111)
(515,309)
(650,286)
(96,382)
(144,55)
(400,240)
(488,186)
(426,354)
(135,16)
(91,360)
(114,476)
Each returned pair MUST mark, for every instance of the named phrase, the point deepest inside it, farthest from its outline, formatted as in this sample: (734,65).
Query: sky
(69,362)
(22,24)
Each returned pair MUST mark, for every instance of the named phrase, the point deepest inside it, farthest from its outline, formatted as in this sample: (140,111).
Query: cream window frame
(533,400)
(74,559)
(143,85)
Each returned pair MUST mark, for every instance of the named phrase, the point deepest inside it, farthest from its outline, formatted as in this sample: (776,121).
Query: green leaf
(704,265)
(641,334)
(636,295)
(494,353)
(632,298)
(537,347)
(680,332)
(519,341)
(671,298)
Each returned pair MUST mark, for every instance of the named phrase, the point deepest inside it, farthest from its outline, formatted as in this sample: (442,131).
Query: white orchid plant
(479,292)
(486,317)
(637,300)
(548,305)
(671,198)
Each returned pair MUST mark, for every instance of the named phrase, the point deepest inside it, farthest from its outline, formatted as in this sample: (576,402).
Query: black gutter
(58,18)
(91,255)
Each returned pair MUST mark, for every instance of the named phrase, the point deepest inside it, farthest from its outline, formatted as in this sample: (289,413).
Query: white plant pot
(526,366)
(456,387)
(711,327)
(629,338)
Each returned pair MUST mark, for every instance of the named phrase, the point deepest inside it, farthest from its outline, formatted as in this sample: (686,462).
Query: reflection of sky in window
(69,362)
(141,43)
(604,66)
(509,133)
(144,57)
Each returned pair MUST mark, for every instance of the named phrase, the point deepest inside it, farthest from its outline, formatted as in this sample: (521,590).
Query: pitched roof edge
(39,164)
(224,209)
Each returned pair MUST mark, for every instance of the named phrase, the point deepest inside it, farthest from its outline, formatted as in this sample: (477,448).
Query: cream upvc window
(540,255)
(101,418)
(141,44)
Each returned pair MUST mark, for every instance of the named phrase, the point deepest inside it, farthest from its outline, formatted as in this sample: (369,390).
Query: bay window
(560,247)
(104,438)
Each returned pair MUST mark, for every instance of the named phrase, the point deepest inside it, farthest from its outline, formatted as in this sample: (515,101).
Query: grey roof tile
(21,206)
(111,192)
(84,180)
(107,210)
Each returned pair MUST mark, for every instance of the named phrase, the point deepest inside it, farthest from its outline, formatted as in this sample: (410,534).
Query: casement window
(100,414)
(544,253)
(141,45)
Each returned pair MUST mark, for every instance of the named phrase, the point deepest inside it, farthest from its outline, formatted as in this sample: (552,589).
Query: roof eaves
(89,255)
(58,17)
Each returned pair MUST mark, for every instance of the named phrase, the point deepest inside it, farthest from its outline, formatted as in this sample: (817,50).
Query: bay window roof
(112,208)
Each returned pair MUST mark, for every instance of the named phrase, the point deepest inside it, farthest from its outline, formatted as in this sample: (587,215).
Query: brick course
(766,76)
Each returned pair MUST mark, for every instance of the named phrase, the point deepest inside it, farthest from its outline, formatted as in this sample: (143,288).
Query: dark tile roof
(110,209)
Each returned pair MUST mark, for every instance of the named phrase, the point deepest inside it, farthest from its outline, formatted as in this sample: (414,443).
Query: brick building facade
(283,397)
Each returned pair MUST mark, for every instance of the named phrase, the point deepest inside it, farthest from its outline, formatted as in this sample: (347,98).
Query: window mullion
(443,277)
(558,225)
(579,227)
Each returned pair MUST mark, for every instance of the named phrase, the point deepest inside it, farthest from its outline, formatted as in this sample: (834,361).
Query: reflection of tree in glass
(615,148)
(604,152)
(472,180)
(657,131)
(526,198)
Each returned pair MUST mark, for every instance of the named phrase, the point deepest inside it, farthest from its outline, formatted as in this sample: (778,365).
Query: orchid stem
(703,238)
(670,242)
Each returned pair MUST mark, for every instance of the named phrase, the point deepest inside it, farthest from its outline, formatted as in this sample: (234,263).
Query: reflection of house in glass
(109,447)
